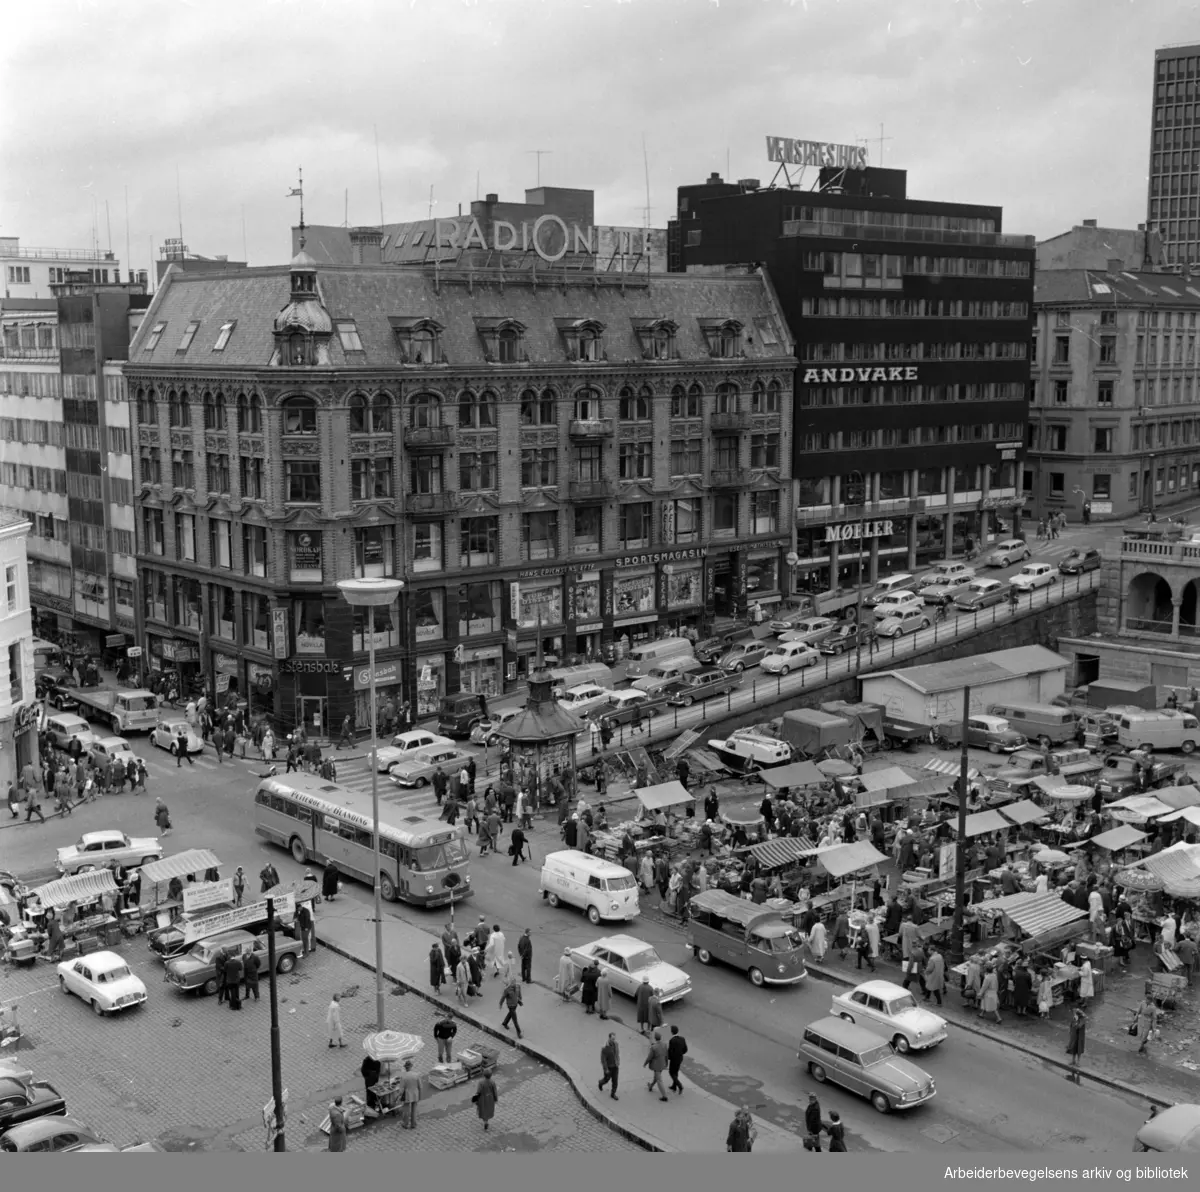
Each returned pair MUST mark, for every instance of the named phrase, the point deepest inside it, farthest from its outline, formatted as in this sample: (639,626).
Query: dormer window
(724,338)
(348,333)
(418,340)
(298,352)
(223,337)
(299,416)
(503,340)
(582,338)
(657,338)
(304,281)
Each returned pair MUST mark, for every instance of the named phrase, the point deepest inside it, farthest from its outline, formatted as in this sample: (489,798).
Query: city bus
(423,862)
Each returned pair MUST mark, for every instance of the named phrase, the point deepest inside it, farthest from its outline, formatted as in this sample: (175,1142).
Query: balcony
(857,231)
(591,428)
(432,503)
(818,515)
(729,478)
(736,420)
(590,490)
(428,438)
(1161,550)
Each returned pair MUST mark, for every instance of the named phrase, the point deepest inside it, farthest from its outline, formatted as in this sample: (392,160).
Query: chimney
(491,198)
(366,246)
(1141,227)
(748,183)
(714,179)
(1115,264)
(1089,223)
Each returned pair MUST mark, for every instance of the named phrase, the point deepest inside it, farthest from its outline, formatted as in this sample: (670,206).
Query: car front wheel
(993,748)
(817,1073)
(287,962)
(593,915)
(881,1103)
(552,899)
(97,1009)
(785,670)
(209,987)
(756,978)
(704,956)
(901,1044)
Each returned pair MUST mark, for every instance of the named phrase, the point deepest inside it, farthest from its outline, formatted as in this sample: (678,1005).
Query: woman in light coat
(989,995)
(566,974)
(1045,997)
(462,979)
(817,941)
(603,994)
(646,872)
(1087,983)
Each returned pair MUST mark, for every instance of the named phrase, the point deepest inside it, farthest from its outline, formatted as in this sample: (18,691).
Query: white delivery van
(1166,729)
(566,677)
(601,888)
(642,657)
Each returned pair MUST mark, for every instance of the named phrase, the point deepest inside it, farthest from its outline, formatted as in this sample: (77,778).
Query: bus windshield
(438,856)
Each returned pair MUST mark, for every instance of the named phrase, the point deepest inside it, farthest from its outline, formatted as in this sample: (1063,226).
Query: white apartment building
(30,272)
(18,706)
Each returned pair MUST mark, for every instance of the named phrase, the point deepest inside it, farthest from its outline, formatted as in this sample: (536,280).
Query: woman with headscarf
(485,1099)
(1045,997)
(589,994)
(989,994)
(817,941)
(646,873)
(1022,980)
(603,994)
(841,934)
(566,975)
(330,880)
(1087,982)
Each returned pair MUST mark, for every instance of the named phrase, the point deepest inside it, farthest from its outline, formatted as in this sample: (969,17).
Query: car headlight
(911,1096)
(783,968)
(428,889)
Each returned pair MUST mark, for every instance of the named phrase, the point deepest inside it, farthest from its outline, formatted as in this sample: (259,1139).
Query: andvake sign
(847,376)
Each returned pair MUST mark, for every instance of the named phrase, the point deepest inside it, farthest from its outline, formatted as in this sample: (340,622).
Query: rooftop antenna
(379,177)
(882,138)
(179,203)
(646,165)
(346,211)
(477,186)
(728,171)
(245,250)
(431,200)
(539,154)
(128,248)
(297,192)
(108,222)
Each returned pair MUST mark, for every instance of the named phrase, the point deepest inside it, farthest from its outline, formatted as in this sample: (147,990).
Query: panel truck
(125,711)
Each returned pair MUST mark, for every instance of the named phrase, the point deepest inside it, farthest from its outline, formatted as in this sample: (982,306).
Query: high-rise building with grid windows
(1173,201)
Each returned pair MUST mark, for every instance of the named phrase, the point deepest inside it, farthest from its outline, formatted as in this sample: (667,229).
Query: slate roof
(370,295)
(1093,287)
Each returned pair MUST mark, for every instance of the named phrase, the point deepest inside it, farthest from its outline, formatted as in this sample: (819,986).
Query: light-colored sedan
(891,603)
(165,735)
(111,748)
(910,620)
(1034,575)
(627,960)
(790,656)
(893,1012)
(404,743)
(103,980)
(106,850)
(1011,550)
(487,732)
(420,765)
(811,630)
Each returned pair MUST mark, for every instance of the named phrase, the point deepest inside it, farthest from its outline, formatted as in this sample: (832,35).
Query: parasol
(834,767)
(745,816)
(1051,856)
(1070,794)
(1138,879)
(389,1046)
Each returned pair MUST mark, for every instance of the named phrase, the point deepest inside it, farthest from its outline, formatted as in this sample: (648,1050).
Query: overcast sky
(1041,106)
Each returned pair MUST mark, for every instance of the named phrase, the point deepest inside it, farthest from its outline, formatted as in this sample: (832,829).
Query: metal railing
(1152,548)
(590,428)
(55,254)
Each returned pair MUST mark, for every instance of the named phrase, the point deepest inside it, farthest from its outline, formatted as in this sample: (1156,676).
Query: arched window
(587,405)
(381,413)
(214,411)
(147,406)
(297,348)
(256,414)
(299,416)
(477,410)
(633,408)
(538,411)
(249,414)
(426,410)
(424,346)
(685,403)
(180,411)
(727,399)
(758,398)
(358,414)
(508,345)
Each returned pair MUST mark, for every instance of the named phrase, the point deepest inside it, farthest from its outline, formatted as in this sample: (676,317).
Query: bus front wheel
(299,852)
(387,888)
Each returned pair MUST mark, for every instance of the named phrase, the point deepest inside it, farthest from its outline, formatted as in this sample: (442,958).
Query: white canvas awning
(1117,838)
(1024,812)
(666,794)
(193,860)
(850,858)
(984,821)
(79,887)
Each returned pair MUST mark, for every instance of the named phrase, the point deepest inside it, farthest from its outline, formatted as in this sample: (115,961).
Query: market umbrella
(389,1046)
(834,767)
(1138,879)
(1070,794)
(1051,856)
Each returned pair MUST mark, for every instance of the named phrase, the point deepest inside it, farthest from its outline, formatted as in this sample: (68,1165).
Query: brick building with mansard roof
(605,455)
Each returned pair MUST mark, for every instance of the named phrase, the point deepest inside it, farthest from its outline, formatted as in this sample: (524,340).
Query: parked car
(196,969)
(582,699)
(711,648)
(403,744)
(460,712)
(1079,561)
(1176,1128)
(859,1060)
(790,656)
(59,1133)
(102,979)
(418,767)
(626,960)
(23,1100)
(982,593)
(894,602)
(743,654)
(701,685)
(911,620)
(106,850)
(992,733)
(626,706)
(488,731)
(946,591)
(1004,554)
(65,727)
(894,1011)
(111,748)
(166,733)
(811,630)
(55,693)
(1034,575)
(848,637)
(948,571)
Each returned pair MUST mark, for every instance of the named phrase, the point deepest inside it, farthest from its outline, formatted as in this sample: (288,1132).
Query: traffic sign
(792,558)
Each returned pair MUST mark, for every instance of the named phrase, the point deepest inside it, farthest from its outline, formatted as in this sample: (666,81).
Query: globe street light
(371,594)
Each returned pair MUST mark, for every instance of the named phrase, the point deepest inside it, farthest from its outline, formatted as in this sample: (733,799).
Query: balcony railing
(590,490)
(857,231)
(818,515)
(1161,551)
(55,254)
(733,420)
(430,438)
(591,428)
(729,477)
(443,502)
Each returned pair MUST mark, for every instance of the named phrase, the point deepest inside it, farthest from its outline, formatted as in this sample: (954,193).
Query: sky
(123,120)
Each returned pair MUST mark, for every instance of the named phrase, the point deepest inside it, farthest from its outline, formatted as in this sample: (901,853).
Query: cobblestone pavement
(194,1075)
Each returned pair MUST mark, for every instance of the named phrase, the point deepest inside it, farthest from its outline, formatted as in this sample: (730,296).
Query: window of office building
(427,546)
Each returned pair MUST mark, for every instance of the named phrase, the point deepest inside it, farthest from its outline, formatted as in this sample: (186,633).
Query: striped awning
(1178,869)
(193,860)
(1044,912)
(79,887)
(775,854)
(953,769)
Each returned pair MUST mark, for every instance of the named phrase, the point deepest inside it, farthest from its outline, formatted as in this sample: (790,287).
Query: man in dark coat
(642,999)
(234,974)
(517,846)
(610,1065)
(676,1050)
(712,805)
(571,832)
(250,967)
(525,952)
(269,877)
(219,966)
(812,1123)
(439,784)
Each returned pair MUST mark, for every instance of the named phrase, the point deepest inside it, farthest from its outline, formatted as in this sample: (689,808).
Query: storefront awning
(79,887)
(666,794)
(850,858)
(1024,812)
(193,860)
(775,854)
(1117,838)
(984,821)
(1138,808)
(793,774)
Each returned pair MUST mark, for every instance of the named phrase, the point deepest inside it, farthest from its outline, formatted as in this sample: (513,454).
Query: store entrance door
(722,593)
(311,714)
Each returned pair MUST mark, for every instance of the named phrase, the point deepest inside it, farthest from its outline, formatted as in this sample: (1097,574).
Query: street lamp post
(371,594)
(860,487)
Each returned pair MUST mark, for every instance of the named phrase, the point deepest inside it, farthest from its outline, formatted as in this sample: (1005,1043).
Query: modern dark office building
(912,322)
(1173,186)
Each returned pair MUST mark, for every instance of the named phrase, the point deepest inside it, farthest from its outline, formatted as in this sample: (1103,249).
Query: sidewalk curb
(643,1140)
(1119,1086)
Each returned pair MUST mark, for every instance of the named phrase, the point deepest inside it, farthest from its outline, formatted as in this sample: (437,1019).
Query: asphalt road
(990,1097)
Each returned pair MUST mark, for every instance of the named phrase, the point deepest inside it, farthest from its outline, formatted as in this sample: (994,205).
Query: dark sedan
(701,685)
(1079,561)
(55,693)
(22,1101)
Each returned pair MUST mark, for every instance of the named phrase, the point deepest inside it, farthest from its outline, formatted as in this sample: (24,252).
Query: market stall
(82,905)
(1024,812)
(981,822)
(856,861)
(165,880)
(793,775)
(1117,839)
(1137,809)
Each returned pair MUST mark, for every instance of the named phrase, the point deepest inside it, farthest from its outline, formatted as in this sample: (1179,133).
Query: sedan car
(982,593)
(790,656)
(584,697)
(1034,575)
(743,654)
(627,961)
(196,969)
(402,744)
(994,734)
(1011,550)
(24,1100)
(1079,561)
(893,1011)
(55,693)
(59,1133)
(701,685)
(165,735)
(944,573)
(945,591)
(895,602)
(106,850)
(111,748)
(103,980)
(848,637)
(812,630)
(627,706)
(420,765)
(488,731)
(910,620)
